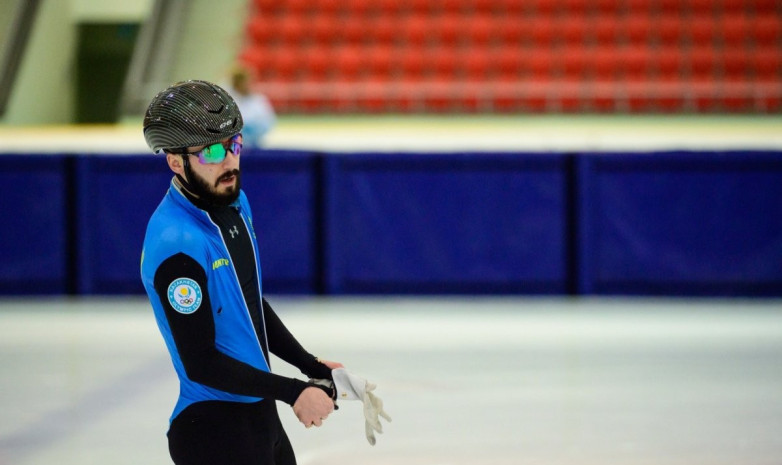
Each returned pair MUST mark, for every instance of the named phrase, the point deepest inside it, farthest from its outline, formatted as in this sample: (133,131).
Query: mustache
(226,175)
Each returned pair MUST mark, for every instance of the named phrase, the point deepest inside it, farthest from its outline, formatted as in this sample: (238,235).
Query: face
(217,183)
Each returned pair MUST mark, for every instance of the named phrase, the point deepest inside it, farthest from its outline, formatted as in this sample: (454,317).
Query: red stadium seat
(380,62)
(576,62)
(610,7)
(675,7)
(606,30)
(643,7)
(261,30)
(539,64)
(480,29)
(541,8)
(509,63)
(766,63)
(734,63)
(320,7)
(415,30)
(442,63)
(354,30)
(421,7)
(301,7)
(702,31)
(482,7)
(669,63)
(383,30)
(767,30)
(576,7)
(388,7)
(283,64)
(603,64)
(669,29)
(701,7)
(324,30)
(512,8)
(479,65)
(510,30)
(447,29)
(636,63)
(267,7)
(355,8)
(731,7)
(292,30)
(735,29)
(542,31)
(636,29)
(765,7)
(702,62)
(573,29)
(347,63)
(315,63)
(412,64)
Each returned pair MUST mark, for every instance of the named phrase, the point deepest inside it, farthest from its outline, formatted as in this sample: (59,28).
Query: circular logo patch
(184,295)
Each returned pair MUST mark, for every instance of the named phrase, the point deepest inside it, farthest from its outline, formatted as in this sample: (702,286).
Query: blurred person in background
(257,111)
(201,271)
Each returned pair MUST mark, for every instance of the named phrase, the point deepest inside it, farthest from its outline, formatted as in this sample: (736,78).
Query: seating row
(486,29)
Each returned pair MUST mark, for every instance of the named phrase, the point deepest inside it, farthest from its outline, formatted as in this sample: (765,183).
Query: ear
(175,163)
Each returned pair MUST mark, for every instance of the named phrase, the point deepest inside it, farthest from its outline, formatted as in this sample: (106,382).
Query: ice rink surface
(466,379)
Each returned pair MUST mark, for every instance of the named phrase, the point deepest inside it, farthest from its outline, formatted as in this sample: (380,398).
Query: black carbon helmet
(190,114)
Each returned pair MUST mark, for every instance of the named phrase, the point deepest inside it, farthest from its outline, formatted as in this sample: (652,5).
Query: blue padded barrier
(119,193)
(680,223)
(674,223)
(284,192)
(446,223)
(36,234)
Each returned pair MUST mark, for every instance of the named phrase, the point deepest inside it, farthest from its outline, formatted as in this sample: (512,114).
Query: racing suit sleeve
(194,336)
(284,345)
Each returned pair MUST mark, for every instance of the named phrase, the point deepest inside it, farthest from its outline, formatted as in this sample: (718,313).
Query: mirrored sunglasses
(215,153)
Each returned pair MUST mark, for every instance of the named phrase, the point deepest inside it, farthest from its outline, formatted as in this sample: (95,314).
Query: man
(201,271)
(257,111)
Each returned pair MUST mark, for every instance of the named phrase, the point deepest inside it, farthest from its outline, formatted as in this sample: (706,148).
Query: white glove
(352,387)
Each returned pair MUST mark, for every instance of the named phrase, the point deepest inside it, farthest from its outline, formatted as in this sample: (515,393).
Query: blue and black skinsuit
(201,272)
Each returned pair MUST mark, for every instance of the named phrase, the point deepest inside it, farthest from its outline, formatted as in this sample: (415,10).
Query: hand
(312,407)
(331,365)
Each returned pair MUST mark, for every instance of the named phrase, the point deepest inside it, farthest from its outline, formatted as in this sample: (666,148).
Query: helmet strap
(188,170)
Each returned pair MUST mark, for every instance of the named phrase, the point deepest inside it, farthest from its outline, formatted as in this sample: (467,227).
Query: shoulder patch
(184,294)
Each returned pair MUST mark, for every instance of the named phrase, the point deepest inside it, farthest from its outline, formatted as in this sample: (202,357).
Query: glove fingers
(377,404)
(370,415)
(370,434)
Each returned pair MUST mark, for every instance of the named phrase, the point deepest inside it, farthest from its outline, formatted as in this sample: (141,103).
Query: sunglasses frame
(232,144)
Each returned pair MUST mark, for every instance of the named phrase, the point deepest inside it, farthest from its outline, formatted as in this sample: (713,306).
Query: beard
(208,193)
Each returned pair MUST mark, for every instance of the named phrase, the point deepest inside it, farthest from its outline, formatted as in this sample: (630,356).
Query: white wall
(45,89)
(44,92)
(211,40)
(110,10)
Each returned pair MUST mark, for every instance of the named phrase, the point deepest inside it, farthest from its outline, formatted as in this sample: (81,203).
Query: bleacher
(468,56)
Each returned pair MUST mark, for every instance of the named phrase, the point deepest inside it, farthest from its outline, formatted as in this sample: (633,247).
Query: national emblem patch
(184,294)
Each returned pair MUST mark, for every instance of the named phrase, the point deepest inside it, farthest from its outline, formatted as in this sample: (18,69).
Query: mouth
(226,179)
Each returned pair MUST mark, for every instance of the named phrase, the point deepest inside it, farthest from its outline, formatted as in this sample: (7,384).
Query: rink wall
(661,223)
